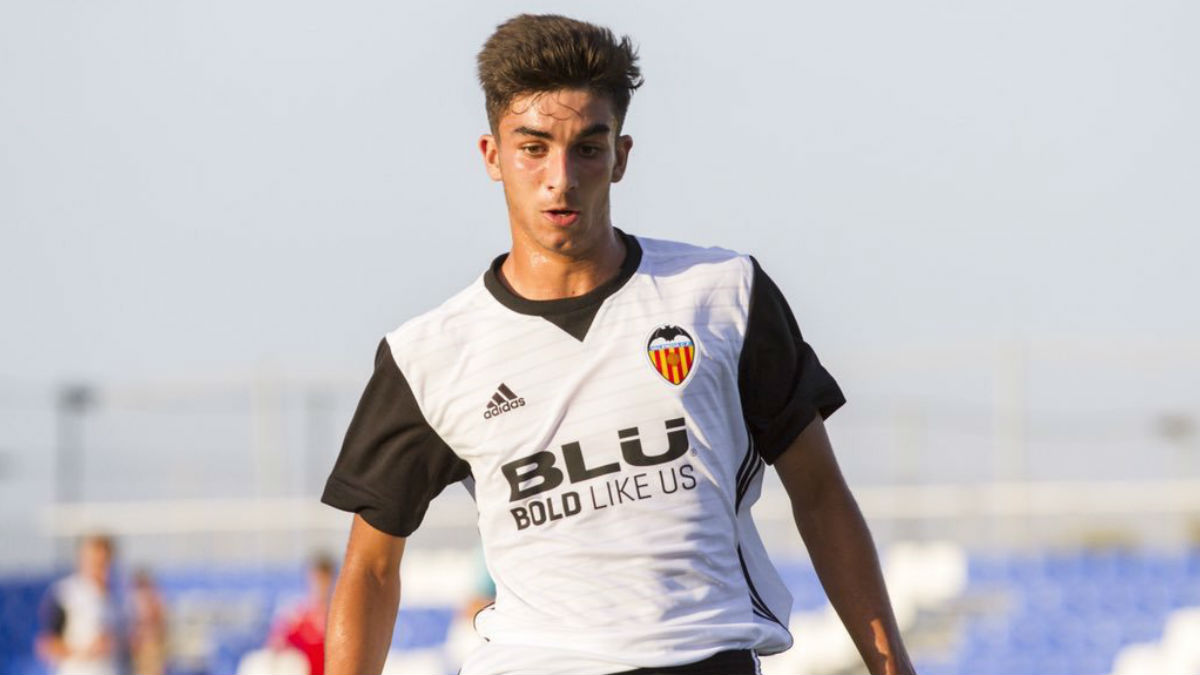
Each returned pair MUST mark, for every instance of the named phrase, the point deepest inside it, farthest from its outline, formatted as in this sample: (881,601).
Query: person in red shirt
(303,627)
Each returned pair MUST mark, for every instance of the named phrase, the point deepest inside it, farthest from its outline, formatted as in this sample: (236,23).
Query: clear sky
(202,190)
(198,187)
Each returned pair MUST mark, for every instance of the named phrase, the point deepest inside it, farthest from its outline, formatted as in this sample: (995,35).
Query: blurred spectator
(148,630)
(78,632)
(303,627)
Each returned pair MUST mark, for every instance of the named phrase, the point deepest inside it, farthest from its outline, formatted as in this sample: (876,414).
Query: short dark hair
(100,540)
(534,53)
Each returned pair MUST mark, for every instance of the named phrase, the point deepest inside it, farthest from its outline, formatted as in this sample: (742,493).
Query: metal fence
(1007,444)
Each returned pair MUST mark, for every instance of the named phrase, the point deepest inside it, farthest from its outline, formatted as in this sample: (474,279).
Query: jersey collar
(573,315)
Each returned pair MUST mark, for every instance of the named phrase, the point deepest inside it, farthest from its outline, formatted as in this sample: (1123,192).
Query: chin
(562,239)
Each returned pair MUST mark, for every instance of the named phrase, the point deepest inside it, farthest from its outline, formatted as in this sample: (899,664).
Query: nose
(561,173)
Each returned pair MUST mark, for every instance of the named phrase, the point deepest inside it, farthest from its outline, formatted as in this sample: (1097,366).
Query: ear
(624,145)
(489,147)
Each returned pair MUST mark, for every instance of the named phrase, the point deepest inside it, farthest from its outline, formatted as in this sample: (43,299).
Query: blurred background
(984,216)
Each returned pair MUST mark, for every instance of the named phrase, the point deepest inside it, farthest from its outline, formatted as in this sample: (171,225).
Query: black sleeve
(392,463)
(782,384)
(51,617)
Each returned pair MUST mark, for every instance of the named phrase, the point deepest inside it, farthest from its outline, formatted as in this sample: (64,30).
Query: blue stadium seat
(422,627)
(801,580)
(20,598)
(1071,612)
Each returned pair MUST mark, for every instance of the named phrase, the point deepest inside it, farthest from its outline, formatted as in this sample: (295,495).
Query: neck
(534,273)
(99,582)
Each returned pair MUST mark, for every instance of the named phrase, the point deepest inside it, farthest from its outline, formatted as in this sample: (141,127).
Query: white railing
(456,510)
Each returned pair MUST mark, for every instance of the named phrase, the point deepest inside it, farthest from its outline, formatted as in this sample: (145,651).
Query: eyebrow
(597,128)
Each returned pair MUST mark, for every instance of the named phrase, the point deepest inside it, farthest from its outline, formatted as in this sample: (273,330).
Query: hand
(101,646)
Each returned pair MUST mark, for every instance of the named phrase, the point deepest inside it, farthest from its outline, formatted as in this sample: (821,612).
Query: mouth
(561,217)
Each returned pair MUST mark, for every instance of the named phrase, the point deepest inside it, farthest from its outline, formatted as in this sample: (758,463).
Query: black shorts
(739,662)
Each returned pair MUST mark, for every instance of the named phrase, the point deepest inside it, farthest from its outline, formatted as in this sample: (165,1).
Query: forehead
(563,111)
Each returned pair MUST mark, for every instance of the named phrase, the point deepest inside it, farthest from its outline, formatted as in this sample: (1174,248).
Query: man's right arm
(362,613)
(391,466)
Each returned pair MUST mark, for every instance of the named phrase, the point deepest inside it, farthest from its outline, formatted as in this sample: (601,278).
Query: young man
(79,617)
(611,401)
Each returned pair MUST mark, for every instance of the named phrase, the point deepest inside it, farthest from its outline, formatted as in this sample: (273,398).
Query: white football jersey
(80,612)
(616,443)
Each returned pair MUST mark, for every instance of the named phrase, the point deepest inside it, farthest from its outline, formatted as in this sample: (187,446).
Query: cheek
(525,168)
(596,174)
(521,177)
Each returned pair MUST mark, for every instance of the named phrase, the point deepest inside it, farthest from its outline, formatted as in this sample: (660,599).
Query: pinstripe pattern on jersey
(628,565)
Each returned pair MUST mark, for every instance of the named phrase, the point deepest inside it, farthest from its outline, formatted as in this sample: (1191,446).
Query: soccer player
(611,401)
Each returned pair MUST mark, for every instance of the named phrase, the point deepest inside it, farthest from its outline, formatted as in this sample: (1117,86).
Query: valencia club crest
(672,353)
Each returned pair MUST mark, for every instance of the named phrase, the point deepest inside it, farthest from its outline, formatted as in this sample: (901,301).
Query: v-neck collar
(572,315)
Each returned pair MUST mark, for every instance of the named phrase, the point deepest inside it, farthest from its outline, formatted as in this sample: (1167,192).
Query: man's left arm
(841,549)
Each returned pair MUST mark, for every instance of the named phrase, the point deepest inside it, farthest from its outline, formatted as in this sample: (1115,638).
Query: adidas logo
(502,401)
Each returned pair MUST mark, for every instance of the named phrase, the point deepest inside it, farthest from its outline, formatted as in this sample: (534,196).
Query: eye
(533,149)
(589,151)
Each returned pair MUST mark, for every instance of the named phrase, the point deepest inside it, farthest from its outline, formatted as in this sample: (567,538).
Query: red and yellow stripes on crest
(673,363)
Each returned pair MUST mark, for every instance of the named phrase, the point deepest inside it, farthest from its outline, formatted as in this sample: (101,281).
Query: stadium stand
(1071,611)
(1064,612)
(19,600)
